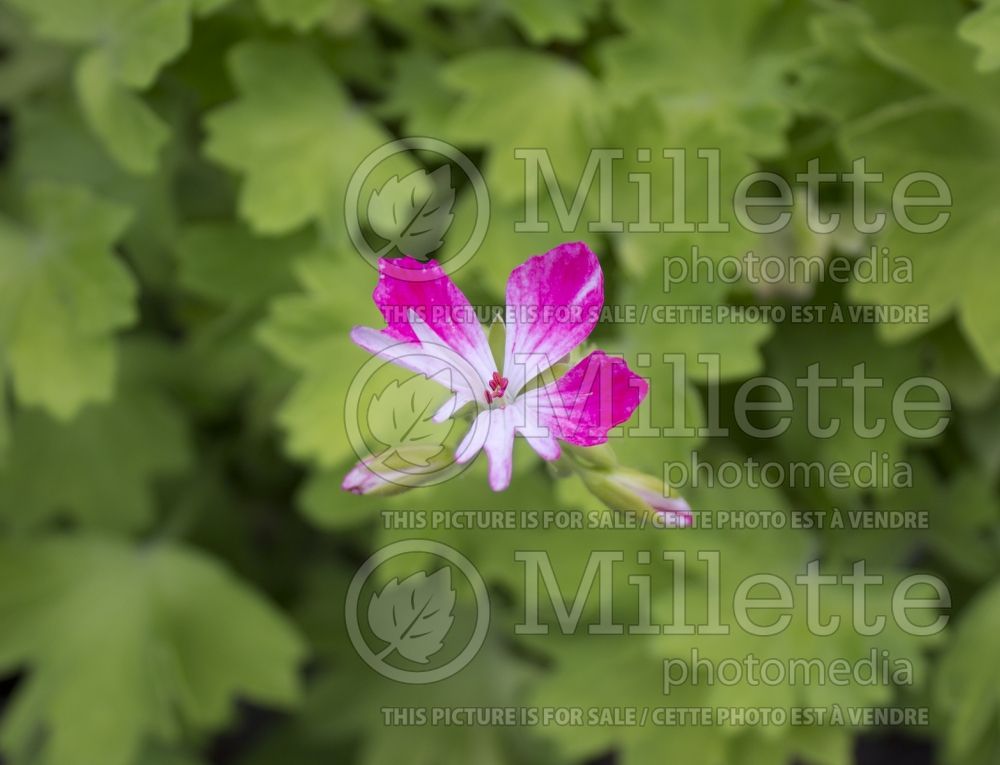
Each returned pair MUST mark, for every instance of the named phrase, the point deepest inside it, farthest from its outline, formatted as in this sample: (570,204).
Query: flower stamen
(498,386)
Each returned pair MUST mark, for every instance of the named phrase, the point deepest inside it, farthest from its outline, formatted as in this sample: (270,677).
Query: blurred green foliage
(176,289)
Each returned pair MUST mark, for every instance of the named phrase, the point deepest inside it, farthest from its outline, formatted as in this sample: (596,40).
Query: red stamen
(498,385)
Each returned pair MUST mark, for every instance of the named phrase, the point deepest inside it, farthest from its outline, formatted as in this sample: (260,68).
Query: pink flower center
(498,386)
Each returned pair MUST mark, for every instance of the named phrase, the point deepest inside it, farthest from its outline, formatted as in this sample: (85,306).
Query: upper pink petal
(553,303)
(406,285)
(429,357)
(597,394)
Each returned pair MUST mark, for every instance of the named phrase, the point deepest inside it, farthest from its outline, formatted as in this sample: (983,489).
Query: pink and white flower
(553,303)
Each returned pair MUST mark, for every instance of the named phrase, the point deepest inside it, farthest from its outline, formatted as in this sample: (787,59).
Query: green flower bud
(398,470)
(601,457)
(631,491)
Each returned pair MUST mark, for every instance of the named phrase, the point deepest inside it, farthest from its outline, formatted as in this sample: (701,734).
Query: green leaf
(982,29)
(99,469)
(163,637)
(224,263)
(131,131)
(951,266)
(968,679)
(128,43)
(947,129)
(168,756)
(950,74)
(981,435)
(62,296)
(585,671)
(549,103)
(289,744)
(55,144)
(309,332)
(496,677)
(30,64)
(844,82)
(503,247)
(150,36)
(4,418)
(302,14)
(208,7)
(233,275)
(671,269)
(296,147)
(138,36)
(838,350)
(416,93)
(715,61)
(962,526)
(559,19)
(313,413)
(958,366)
(324,503)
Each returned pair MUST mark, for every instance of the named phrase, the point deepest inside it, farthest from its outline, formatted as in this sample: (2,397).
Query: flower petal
(434,360)
(499,447)
(674,512)
(492,431)
(473,441)
(553,303)
(597,394)
(406,285)
(545,445)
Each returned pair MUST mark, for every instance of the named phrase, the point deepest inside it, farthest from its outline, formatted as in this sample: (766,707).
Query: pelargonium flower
(553,303)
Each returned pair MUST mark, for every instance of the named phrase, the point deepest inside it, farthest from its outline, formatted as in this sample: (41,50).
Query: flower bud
(398,470)
(600,457)
(630,490)
(613,494)
(372,477)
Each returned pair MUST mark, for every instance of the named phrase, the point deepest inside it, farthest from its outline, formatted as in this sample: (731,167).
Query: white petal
(546,446)
(499,447)
(474,440)
(474,374)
